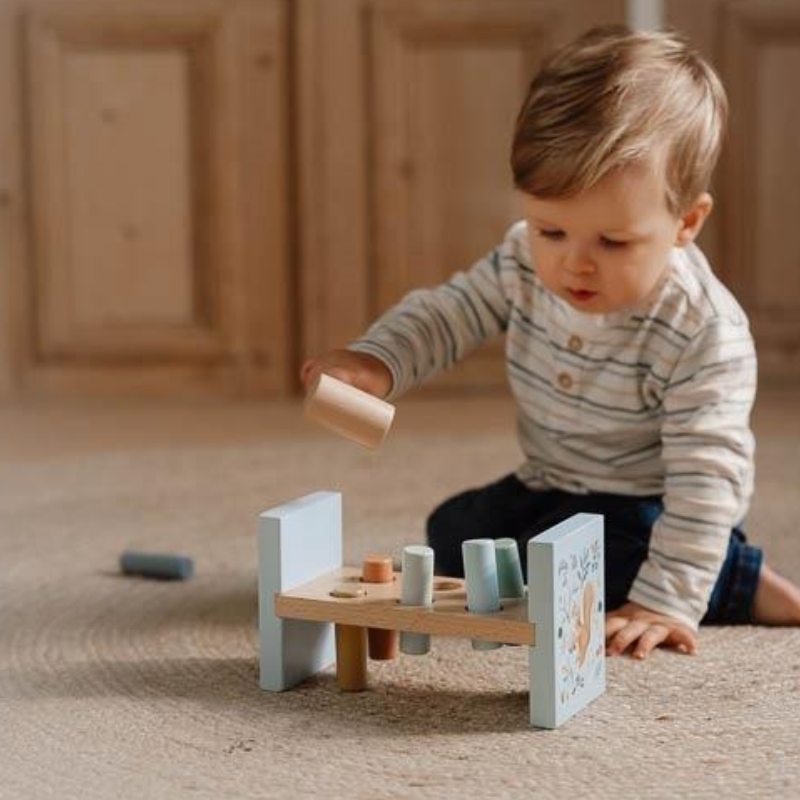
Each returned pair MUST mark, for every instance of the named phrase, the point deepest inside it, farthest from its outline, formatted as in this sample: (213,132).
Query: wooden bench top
(377,605)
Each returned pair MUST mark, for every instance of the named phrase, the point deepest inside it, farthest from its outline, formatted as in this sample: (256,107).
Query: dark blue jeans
(509,508)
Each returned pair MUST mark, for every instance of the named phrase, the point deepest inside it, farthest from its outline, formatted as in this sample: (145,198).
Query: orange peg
(383,644)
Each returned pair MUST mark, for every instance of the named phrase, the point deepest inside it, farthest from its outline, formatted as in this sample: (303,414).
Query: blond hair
(614,97)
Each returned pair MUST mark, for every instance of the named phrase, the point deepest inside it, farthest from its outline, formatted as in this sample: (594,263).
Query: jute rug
(113,687)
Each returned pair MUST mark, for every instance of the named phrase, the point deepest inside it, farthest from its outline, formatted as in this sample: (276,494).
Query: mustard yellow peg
(351,658)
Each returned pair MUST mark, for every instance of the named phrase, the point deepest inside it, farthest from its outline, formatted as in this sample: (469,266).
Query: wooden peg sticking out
(351,646)
(509,570)
(510,582)
(351,658)
(416,590)
(480,572)
(383,644)
(349,411)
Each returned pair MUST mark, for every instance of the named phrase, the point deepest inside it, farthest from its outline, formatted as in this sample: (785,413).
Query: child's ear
(691,223)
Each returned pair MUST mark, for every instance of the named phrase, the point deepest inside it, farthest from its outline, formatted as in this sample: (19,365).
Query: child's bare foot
(777,600)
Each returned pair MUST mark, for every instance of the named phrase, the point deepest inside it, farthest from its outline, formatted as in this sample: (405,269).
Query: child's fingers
(684,640)
(307,371)
(614,625)
(341,373)
(312,369)
(629,634)
(650,639)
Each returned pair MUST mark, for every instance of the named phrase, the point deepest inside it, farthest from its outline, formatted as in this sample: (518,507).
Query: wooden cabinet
(754,237)
(145,197)
(167,226)
(407,110)
(194,194)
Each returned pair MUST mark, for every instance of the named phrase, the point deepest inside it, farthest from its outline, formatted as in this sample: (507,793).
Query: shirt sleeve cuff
(650,601)
(385,357)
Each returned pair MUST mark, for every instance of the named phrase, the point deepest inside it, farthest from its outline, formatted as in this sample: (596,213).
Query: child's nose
(579,262)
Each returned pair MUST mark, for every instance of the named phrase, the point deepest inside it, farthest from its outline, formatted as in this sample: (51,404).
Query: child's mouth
(581,295)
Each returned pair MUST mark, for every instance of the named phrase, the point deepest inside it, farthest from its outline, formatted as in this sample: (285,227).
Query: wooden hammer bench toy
(314,612)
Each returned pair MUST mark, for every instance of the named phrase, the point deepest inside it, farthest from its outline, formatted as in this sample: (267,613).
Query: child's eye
(612,244)
(553,235)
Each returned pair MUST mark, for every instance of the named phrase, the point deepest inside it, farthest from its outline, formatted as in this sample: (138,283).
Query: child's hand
(361,370)
(632,625)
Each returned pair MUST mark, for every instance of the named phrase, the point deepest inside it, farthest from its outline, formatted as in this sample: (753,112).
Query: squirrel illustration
(583,624)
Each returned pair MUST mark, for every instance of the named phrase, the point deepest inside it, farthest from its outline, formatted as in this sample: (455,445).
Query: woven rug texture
(114,687)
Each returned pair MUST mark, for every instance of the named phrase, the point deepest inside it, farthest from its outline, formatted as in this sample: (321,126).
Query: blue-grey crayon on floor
(157,565)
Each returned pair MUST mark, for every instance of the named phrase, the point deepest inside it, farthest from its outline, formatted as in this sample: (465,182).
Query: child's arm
(432,329)
(429,329)
(707,450)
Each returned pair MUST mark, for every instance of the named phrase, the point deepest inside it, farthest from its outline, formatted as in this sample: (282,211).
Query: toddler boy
(632,366)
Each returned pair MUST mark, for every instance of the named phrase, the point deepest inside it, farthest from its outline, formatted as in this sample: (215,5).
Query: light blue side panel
(297,542)
(566,601)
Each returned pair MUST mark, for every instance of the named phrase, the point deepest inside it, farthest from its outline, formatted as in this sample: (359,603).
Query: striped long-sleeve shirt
(654,400)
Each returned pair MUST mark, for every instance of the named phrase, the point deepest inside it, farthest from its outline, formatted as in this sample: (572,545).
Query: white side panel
(297,542)
(566,602)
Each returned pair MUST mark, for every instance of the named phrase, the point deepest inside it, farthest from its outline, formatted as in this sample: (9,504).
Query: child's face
(606,248)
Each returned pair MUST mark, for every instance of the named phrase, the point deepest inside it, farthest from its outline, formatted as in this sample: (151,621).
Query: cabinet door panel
(127,255)
(157,154)
(444,193)
(777,195)
(753,240)
(439,84)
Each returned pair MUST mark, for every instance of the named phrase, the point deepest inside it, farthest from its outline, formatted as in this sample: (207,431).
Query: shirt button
(565,380)
(575,343)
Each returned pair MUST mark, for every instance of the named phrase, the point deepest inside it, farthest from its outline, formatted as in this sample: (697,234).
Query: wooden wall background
(196,193)
(754,238)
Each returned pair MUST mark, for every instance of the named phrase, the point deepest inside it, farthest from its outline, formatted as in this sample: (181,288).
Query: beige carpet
(120,688)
